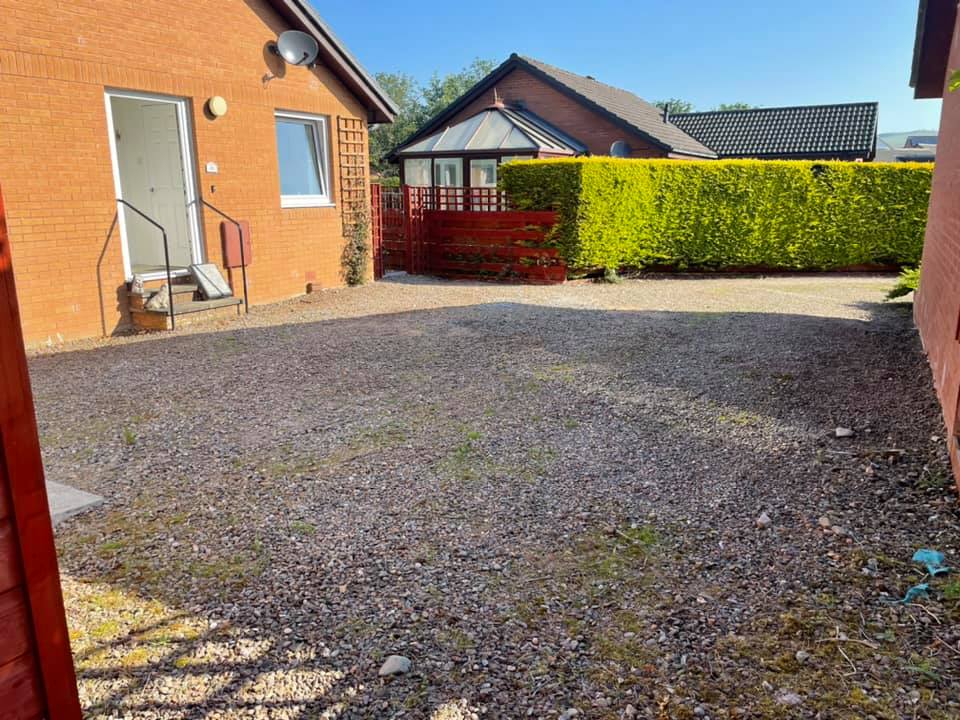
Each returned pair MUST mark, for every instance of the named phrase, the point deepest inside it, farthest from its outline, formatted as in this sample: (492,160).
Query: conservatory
(468,153)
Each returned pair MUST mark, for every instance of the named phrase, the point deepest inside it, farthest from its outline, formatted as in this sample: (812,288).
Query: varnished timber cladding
(37,679)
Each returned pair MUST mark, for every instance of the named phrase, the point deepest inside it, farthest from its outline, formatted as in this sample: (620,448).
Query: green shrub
(797,215)
(907,283)
(356,250)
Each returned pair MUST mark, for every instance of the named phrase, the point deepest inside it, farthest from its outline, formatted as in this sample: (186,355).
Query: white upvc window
(416,172)
(304,160)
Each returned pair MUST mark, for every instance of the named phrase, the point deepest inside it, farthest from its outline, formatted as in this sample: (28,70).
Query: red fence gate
(37,679)
(470,233)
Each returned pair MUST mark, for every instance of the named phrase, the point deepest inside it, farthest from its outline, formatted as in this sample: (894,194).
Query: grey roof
(340,60)
(811,131)
(920,140)
(632,110)
(621,107)
(495,129)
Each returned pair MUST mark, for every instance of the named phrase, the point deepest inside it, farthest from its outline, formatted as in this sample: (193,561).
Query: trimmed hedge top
(783,214)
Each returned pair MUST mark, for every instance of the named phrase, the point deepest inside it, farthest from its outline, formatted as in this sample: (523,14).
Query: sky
(785,52)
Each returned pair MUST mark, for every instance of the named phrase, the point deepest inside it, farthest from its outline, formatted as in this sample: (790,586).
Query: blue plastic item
(933,560)
(915,592)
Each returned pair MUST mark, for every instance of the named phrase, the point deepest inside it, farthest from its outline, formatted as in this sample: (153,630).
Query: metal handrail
(166,257)
(243,260)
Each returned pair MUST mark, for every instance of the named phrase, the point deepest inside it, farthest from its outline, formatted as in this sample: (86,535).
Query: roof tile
(629,108)
(813,130)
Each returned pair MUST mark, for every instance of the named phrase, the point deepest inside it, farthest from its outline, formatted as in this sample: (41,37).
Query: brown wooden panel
(15,621)
(10,575)
(21,469)
(21,696)
(4,500)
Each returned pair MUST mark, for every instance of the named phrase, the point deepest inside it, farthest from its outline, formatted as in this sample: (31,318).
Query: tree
(440,92)
(406,93)
(676,105)
(735,106)
(417,104)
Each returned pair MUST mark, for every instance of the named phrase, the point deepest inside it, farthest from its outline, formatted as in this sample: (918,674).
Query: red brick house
(166,104)
(937,303)
(526,108)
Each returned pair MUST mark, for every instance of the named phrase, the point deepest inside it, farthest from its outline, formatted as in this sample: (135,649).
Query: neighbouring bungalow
(937,303)
(529,109)
(168,105)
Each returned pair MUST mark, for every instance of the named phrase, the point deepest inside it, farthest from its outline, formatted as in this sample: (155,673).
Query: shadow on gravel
(289,505)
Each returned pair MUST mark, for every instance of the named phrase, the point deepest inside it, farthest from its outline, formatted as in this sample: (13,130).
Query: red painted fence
(36,669)
(392,242)
(469,233)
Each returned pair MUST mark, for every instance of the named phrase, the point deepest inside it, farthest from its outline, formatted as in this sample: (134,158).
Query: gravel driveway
(547,499)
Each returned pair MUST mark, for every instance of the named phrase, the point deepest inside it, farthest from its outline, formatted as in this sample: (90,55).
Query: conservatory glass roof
(495,129)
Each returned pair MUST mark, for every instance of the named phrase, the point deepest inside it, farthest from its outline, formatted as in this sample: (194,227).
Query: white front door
(153,173)
(168,197)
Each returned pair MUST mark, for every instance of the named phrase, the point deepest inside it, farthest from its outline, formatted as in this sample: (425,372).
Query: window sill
(305,202)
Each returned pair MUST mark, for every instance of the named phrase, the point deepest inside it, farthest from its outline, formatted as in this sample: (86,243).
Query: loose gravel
(548,500)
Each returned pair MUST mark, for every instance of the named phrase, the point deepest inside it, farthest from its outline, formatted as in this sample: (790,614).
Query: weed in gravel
(456,639)
(935,479)
(926,668)
(559,372)
(105,630)
(137,657)
(303,528)
(129,436)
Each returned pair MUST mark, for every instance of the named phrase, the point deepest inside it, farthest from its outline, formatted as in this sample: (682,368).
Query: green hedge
(727,214)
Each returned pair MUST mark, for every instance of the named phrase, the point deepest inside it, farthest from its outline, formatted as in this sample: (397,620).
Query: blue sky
(786,52)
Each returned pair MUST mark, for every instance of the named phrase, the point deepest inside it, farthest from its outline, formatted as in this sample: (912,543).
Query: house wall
(56,59)
(937,305)
(593,129)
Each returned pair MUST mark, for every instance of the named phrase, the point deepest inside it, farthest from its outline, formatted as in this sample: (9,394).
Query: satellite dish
(620,149)
(297,48)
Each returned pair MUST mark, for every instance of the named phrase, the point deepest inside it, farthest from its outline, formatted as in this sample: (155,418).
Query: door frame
(187,159)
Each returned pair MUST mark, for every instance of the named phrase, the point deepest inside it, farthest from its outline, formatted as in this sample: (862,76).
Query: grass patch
(741,418)
(303,528)
(561,372)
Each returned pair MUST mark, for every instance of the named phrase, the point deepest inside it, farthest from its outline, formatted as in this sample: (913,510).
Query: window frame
(320,126)
(496,172)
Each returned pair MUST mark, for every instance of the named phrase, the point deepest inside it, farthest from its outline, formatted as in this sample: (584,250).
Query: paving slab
(66,501)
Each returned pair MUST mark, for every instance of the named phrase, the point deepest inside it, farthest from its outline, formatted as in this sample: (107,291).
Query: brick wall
(937,307)
(594,130)
(56,59)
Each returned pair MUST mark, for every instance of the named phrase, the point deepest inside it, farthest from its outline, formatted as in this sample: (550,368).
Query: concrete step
(180,290)
(186,312)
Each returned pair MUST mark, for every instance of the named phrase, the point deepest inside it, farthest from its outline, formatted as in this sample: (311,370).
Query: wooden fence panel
(493,245)
(394,243)
(470,233)
(37,678)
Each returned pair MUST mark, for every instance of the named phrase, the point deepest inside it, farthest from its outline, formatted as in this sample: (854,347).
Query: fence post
(376,230)
(408,228)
